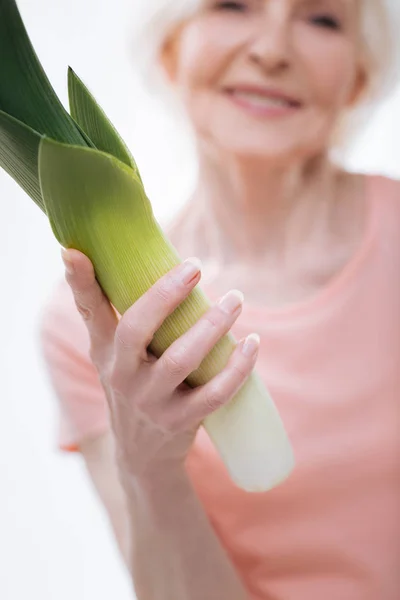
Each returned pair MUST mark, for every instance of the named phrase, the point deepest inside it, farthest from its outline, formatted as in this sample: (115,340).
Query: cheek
(197,54)
(202,58)
(190,59)
(206,50)
(330,68)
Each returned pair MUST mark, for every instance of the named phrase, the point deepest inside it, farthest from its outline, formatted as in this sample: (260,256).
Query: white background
(55,543)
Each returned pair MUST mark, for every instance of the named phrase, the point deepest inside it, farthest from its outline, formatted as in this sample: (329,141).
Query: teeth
(262,101)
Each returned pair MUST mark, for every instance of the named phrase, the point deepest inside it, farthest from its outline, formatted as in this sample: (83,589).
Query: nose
(270,46)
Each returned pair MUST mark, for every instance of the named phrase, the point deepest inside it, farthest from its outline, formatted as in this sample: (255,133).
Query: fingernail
(251,345)
(190,268)
(69,267)
(231,301)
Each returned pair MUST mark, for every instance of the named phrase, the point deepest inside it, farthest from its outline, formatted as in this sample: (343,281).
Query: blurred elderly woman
(269,88)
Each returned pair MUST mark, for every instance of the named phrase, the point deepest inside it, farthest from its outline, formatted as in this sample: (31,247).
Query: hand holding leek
(80,173)
(154,414)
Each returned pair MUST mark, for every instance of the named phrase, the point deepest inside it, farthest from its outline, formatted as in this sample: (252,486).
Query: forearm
(174,553)
(99,456)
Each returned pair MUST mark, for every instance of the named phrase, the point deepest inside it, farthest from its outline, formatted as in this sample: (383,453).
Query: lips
(263,99)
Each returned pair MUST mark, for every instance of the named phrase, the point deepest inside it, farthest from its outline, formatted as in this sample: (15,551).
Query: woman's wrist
(159,479)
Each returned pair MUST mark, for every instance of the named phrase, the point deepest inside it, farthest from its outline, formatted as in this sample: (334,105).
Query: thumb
(98,314)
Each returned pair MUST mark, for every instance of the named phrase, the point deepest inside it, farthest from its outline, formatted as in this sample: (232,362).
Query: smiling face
(267,78)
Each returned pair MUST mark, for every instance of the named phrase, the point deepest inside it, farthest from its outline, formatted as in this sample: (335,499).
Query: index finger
(140,322)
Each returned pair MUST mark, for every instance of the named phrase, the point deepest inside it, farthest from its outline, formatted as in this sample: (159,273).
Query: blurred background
(54,539)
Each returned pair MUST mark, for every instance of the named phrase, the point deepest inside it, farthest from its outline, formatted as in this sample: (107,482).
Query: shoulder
(383,196)
(384,189)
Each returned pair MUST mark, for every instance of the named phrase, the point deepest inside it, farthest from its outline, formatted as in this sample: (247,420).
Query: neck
(248,212)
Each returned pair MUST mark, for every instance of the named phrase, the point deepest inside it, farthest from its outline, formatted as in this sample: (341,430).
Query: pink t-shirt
(332,365)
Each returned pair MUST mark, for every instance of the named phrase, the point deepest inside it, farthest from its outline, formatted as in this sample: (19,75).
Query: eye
(231,5)
(326,21)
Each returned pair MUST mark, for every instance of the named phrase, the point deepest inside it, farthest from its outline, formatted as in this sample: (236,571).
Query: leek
(80,173)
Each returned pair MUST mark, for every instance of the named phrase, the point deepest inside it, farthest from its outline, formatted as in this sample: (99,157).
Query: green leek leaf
(94,122)
(25,91)
(19,150)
